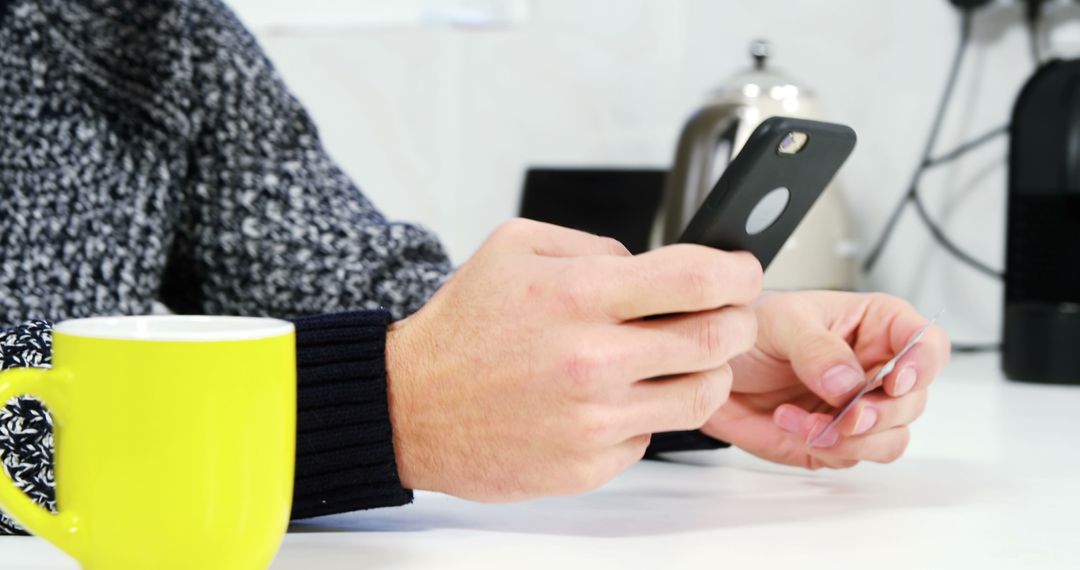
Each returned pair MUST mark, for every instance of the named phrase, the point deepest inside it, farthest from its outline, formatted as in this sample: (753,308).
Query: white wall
(437,123)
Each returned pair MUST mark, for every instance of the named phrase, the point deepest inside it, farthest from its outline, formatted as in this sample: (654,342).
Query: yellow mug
(175,441)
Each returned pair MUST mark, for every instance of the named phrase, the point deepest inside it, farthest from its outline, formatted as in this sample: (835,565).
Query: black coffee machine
(1042,275)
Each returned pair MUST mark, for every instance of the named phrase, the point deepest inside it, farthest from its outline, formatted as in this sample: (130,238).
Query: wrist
(402,371)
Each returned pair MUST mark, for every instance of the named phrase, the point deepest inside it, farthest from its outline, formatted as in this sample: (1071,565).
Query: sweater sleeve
(272,226)
(26,444)
(345,453)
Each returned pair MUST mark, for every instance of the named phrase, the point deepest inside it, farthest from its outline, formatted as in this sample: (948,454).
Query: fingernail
(867,419)
(840,380)
(905,381)
(828,440)
(789,420)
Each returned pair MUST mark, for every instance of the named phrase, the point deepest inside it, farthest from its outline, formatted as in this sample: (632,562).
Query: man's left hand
(814,351)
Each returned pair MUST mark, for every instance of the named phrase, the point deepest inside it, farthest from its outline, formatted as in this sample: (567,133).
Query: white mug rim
(175,328)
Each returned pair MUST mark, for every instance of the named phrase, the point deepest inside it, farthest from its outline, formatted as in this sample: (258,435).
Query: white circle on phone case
(767,211)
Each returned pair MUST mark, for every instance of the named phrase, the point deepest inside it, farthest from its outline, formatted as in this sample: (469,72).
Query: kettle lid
(759,50)
(761,79)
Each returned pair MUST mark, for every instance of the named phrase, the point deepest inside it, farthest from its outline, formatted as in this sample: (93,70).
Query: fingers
(877,412)
(679,403)
(877,430)
(891,323)
(625,354)
(920,365)
(882,447)
(822,359)
(679,278)
(554,241)
(852,332)
(804,425)
(815,334)
(610,282)
(693,342)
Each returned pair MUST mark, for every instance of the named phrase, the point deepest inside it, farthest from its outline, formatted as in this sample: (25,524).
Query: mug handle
(61,529)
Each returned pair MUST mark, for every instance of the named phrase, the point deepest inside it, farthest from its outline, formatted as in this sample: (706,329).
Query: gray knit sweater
(149,152)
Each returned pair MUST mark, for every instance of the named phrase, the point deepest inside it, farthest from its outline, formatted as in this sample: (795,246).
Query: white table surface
(991,480)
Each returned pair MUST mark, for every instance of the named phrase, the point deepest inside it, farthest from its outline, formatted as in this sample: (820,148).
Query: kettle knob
(759,50)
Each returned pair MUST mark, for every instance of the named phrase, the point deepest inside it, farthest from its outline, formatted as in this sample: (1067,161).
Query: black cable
(1033,42)
(1034,18)
(966,147)
(931,140)
(945,242)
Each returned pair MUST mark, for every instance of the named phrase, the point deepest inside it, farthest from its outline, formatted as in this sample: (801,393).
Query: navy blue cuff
(344,447)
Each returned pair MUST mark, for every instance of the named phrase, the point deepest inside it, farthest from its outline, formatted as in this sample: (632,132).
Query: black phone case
(758,170)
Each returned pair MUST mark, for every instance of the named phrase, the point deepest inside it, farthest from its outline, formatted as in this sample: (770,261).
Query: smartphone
(769,186)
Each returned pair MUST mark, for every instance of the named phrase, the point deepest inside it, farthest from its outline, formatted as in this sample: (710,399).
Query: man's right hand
(533,372)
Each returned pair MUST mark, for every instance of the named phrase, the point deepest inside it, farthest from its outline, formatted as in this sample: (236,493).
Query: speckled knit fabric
(149,151)
(229,205)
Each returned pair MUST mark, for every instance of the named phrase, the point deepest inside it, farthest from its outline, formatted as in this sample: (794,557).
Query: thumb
(824,362)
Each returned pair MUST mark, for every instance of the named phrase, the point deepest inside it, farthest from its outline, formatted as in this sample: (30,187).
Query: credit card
(874,382)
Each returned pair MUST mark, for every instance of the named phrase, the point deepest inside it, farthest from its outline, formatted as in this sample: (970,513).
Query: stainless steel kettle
(820,254)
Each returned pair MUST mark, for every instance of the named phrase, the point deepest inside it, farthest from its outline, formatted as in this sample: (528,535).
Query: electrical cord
(935,230)
(927,161)
(939,235)
(1034,17)
(966,147)
(1033,42)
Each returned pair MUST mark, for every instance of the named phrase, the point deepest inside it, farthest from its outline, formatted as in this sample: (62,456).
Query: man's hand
(814,351)
(532,371)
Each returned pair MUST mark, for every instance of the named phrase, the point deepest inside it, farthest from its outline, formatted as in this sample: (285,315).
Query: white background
(291,15)
(436,107)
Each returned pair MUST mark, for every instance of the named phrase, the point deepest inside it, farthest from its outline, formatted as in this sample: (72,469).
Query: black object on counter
(617,203)
(1042,274)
